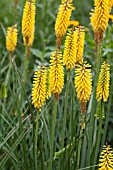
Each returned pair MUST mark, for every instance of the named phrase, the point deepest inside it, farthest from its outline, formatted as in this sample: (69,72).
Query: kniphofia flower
(99,18)
(48,89)
(39,88)
(62,20)
(69,56)
(56,73)
(102,91)
(83,83)
(80,36)
(106,158)
(28,22)
(11,38)
(110,4)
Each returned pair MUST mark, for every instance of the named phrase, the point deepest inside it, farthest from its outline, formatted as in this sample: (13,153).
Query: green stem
(41,153)
(82,127)
(8,76)
(107,114)
(71,112)
(65,115)
(62,151)
(36,138)
(33,118)
(91,127)
(94,102)
(84,150)
(25,65)
(23,140)
(24,78)
(79,149)
(65,110)
(98,62)
(98,137)
(53,132)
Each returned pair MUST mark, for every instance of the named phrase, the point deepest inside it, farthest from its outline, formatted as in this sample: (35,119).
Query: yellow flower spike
(69,56)
(83,83)
(106,158)
(62,20)
(99,18)
(56,73)
(110,4)
(28,22)
(102,91)
(39,88)
(11,38)
(48,89)
(80,36)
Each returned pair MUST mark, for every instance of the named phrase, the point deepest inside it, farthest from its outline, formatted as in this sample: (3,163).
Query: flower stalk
(79,149)
(36,138)
(97,144)
(54,115)
(65,108)
(92,111)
